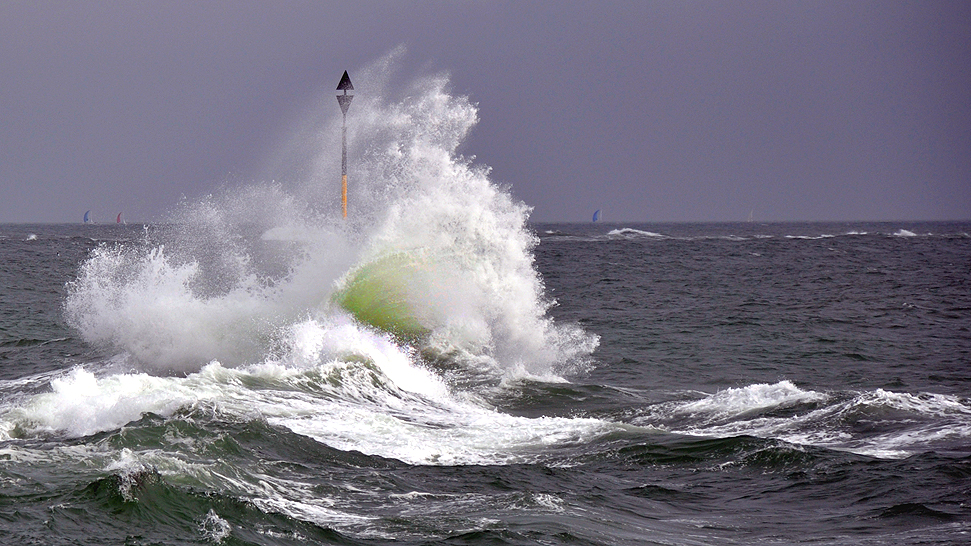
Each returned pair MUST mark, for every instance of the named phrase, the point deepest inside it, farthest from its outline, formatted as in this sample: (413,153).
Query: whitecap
(876,423)
(631,232)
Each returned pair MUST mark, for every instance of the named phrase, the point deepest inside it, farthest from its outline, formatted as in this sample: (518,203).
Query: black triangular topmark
(345,84)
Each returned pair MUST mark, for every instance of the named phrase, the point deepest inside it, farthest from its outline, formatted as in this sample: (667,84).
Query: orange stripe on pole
(344,194)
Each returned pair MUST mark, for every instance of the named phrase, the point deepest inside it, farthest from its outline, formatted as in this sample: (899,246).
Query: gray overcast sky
(652,111)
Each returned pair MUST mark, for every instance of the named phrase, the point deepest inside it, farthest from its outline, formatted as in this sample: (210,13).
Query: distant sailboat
(118,220)
(87,217)
(596,216)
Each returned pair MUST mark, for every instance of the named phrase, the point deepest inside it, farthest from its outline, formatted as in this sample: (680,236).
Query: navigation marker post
(345,102)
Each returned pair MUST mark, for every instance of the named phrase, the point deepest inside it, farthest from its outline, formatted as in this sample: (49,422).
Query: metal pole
(345,103)
(344,167)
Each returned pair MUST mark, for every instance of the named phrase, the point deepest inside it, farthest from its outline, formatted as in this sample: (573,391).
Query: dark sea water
(693,384)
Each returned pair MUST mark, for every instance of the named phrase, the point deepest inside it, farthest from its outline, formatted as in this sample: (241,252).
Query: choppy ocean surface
(437,370)
(772,384)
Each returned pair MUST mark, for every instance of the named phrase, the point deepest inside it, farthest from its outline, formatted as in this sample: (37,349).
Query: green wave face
(379,293)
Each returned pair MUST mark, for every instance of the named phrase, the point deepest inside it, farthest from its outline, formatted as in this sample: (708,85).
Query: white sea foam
(811,237)
(731,403)
(379,402)
(236,269)
(631,232)
(309,511)
(214,528)
(229,306)
(81,404)
(877,423)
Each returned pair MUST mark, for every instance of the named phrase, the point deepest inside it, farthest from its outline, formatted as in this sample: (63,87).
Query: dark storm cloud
(648,110)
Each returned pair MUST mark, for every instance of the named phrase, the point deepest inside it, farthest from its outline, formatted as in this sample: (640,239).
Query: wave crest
(231,272)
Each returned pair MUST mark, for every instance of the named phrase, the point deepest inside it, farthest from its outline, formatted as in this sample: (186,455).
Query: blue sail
(87,220)
(596,216)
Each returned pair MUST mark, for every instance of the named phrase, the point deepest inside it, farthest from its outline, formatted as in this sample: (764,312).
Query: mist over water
(227,277)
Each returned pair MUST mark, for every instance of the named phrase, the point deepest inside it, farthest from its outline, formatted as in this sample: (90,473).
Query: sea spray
(471,281)
(229,274)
